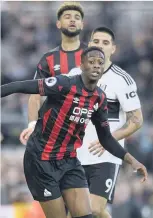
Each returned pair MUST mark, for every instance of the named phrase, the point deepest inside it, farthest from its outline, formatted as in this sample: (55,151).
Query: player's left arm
(134,121)
(130,103)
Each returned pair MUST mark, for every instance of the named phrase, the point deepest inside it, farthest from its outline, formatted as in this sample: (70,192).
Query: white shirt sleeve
(127,95)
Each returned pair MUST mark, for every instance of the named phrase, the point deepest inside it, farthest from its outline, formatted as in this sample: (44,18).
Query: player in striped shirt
(53,173)
(60,60)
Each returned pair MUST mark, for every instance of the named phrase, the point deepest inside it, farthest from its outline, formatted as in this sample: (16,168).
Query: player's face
(103,41)
(93,65)
(70,23)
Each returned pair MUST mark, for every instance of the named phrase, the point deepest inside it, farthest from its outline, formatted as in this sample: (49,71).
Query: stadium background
(27,31)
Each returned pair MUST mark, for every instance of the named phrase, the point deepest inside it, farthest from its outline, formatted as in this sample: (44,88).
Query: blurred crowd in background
(28,30)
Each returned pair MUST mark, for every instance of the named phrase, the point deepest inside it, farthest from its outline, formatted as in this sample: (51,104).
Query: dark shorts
(101,179)
(47,179)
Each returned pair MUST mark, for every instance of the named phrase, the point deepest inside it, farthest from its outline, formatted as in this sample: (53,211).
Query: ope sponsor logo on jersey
(81,115)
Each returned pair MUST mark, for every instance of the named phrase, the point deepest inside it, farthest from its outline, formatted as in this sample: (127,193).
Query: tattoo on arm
(132,117)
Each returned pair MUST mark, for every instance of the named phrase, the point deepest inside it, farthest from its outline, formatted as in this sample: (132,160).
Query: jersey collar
(108,69)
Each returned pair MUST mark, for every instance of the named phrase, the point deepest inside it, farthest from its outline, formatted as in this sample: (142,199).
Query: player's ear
(82,25)
(114,49)
(58,24)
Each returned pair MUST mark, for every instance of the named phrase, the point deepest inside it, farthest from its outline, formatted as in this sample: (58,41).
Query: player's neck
(107,65)
(89,85)
(70,43)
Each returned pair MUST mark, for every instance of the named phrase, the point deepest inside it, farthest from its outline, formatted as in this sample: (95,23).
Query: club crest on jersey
(51,81)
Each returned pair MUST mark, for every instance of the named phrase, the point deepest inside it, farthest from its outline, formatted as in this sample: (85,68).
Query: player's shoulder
(121,75)
(67,78)
(100,92)
(51,51)
(69,81)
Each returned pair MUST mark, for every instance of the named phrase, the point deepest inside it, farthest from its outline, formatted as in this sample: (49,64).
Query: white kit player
(125,117)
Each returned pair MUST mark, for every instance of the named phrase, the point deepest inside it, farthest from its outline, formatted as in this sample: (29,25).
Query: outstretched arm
(44,87)
(27,87)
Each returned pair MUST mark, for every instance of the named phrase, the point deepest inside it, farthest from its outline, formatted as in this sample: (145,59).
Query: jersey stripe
(78,58)
(63,62)
(102,100)
(45,119)
(50,61)
(77,131)
(57,63)
(90,101)
(122,75)
(117,166)
(59,123)
(123,72)
(71,61)
(70,132)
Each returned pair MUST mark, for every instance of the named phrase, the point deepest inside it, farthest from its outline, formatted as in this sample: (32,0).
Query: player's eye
(77,17)
(91,62)
(106,43)
(67,16)
(101,62)
(95,41)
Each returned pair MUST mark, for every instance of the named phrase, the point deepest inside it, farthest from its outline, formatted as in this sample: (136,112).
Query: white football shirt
(121,92)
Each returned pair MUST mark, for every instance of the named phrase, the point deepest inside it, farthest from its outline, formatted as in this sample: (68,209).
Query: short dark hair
(104,29)
(87,50)
(76,6)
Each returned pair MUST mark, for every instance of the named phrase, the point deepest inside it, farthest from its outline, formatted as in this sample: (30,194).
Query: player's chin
(72,29)
(95,78)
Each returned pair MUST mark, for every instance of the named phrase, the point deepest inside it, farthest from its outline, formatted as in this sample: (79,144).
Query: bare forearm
(35,103)
(133,123)
(33,107)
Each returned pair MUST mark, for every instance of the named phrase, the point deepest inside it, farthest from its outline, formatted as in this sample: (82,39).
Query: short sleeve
(42,70)
(127,95)
(54,86)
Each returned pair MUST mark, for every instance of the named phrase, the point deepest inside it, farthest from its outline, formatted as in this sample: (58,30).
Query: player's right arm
(100,121)
(45,87)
